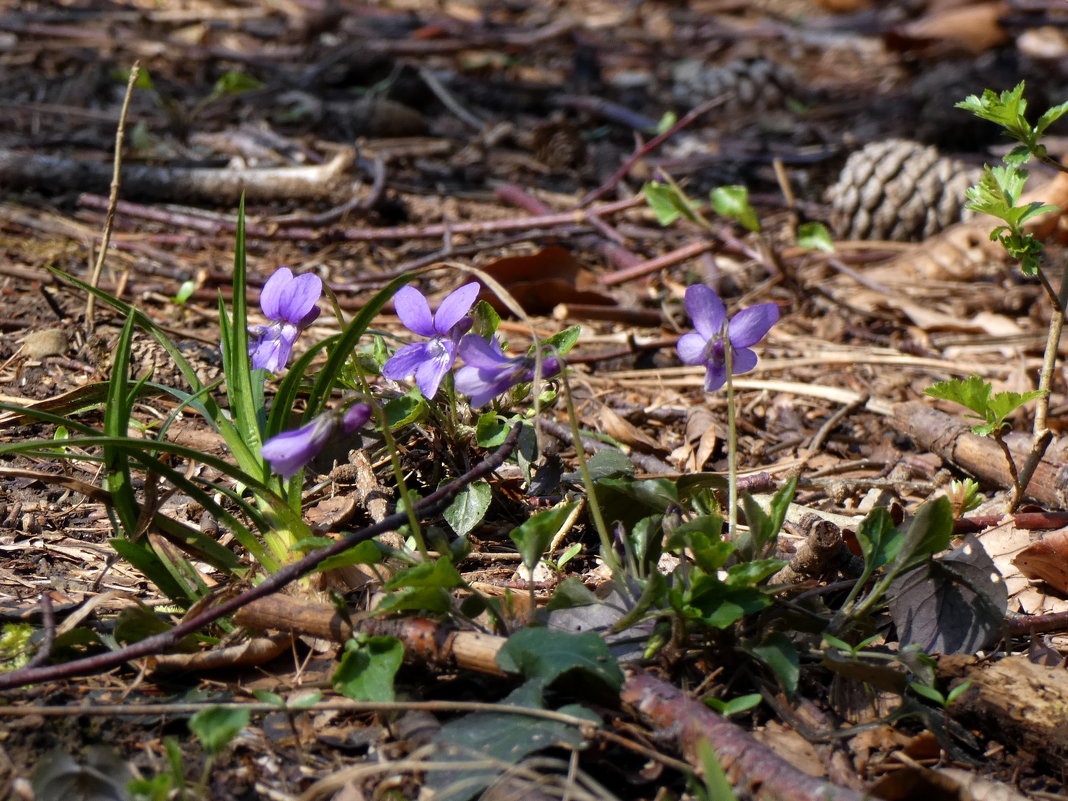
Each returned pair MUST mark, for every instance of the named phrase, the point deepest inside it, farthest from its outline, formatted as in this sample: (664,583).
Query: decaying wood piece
(981,456)
(257,651)
(425,641)
(331,180)
(754,770)
(822,550)
(1022,701)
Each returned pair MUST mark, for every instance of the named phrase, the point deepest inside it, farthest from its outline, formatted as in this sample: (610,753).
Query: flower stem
(732,447)
(608,552)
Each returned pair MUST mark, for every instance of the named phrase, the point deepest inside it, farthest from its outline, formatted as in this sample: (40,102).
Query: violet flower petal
(301,295)
(414,311)
(716,376)
(290,451)
(691,348)
(271,345)
(274,291)
(477,352)
(454,307)
(405,361)
(439,357)
(355,417)
(751,325)
(743,360)
(706,310)
(482,385)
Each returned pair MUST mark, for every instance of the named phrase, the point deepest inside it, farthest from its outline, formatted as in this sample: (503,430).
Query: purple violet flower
(707,345)
(487,372)
(288,301)
(290,451)
(429,361)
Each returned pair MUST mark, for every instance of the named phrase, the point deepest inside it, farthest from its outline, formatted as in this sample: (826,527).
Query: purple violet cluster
(290,303)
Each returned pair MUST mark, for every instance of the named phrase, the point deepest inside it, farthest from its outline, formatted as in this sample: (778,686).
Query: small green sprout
(1008,109)
(815,236)
(964,496)
(735,706)
(978,396)
(998,194)
(944,701)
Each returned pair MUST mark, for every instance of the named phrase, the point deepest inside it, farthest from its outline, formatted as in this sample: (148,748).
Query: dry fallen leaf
(1047,560)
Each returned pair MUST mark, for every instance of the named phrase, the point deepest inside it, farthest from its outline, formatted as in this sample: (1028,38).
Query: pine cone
(899,190)
(757,84)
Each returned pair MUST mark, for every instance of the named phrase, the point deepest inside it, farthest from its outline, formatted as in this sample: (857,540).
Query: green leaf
(486,320)
(778,653)
(533,536)
(735,706)
(235,82)
(491,429)
(749,574)
(545,655)
(469,507)
(958,691)
(1049,117)
(717,787)
(666,122)
(972,393)
(424,587)
(733,202)
(267,697)
(1002,404)
(117,410)
(564,341)
(609,463)
(930,693)
(702,538)
(719,605)
(216,726)
(879,538)
(405,410)
(815,236)
(1007,109)
(763,527)
(498,737)
(929,533)
(368,667)
(668,203)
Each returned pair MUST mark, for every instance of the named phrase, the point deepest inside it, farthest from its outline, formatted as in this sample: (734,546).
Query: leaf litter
(631,393)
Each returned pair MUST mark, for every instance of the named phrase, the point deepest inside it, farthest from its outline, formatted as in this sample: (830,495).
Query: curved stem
(732,446)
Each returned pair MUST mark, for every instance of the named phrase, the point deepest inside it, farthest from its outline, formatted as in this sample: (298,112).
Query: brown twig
(752,769)
(648,147)
(215,227)
(291,572)
(688,251)
(48,624)
(113,195)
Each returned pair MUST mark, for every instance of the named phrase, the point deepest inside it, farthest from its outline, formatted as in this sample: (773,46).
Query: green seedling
(977,395)
(932,694)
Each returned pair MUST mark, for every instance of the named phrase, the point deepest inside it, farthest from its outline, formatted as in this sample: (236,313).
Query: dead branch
(982,457)
(425,641)
(161,642)
(331,180)
(753,769)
